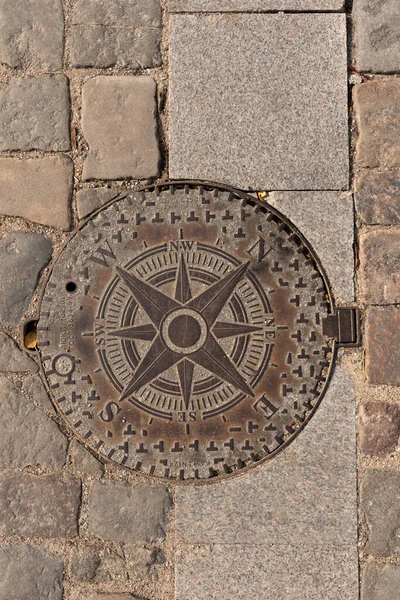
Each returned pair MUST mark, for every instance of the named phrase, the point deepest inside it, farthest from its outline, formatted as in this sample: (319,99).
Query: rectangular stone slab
(244,572)
(253,5)
(259,101)
(307,495)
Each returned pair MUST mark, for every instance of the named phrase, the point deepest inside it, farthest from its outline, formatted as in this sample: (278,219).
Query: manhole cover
(184,331)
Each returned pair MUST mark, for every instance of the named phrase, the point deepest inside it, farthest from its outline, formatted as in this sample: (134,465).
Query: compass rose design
(184,331)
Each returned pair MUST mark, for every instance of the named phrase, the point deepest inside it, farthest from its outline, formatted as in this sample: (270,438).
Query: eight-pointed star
(187,317)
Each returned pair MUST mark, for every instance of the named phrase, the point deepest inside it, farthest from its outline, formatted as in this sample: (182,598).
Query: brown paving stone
(382,345)
(39,505)
(25,254)
(120,126)
(13,359)
(380,582)
(47,198)
(84,462)
(128,513)
(380,266)
(377,197)
(379,428)
(377,108)
(42,443)
(29,573)
(87,201)
(380,505)
(96,567)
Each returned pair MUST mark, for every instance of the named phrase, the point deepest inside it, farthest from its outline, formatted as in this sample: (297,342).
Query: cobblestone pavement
(296,99)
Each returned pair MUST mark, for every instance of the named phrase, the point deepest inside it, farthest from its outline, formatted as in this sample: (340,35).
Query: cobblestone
(84,462)
(224,122)
(380,266)
(98,568)
(116,33)
(379,428)
(142,562)
(32,33)
(380,503)
(377,35)
(87,201)
(96,596)
(380,582)
(25,254)
(47,198)
(128,513)
(29,573)
(39,505)
(382,345)
(12,359)
(34,114)
(378,119)
(42,443)
(378,197)
(119,123)
(34,389)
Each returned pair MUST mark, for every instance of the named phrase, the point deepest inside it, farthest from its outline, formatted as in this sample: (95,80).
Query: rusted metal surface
(181,331)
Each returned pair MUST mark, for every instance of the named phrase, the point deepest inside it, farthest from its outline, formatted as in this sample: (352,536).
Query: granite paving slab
(253,5)
(306,495)
(266,572)
(270,114)
(332,239)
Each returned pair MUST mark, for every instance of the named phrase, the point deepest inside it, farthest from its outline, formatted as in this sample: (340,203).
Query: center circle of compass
(193,344)
(184,331)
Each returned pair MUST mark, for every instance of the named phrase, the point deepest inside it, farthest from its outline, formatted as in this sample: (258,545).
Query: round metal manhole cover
(181,331)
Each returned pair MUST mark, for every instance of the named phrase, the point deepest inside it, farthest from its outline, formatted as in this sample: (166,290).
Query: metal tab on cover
(344,326)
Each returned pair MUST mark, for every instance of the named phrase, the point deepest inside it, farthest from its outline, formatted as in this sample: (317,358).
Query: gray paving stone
(47,198)
(377,196)
(13,359)
(128,513)
(26,254)
(29,573)
(376,105)
(380,504)
(84,462)
(98,567)
(306,495)
(382,345)
(34,114)
(270,114)
(108,33)
(379,428)
(118,13)
(120,126)
(32,34)
(377,35)
(105,47)
(42,444)
(332,239)
(91,199)
(380,266)
(34,389)
(266,572)
(380,582)
(39,505)
(252,5)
